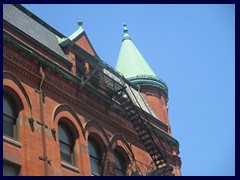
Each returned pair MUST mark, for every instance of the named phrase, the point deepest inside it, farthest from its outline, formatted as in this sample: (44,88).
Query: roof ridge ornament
(79,22)
(79,31)
(125,30)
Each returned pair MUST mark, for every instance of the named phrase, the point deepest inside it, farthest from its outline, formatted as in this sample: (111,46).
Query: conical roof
(130,62)
(134,67)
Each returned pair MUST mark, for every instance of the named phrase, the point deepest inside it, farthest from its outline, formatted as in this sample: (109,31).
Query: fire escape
(107,82)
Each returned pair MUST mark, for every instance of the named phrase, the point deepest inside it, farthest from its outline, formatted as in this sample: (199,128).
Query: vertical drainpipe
(42,123)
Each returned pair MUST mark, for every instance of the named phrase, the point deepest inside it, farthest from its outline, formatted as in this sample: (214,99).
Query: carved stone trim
(12,141)
(69,166)
(60,88)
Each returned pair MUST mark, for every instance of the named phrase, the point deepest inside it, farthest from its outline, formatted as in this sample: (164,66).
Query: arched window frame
(95,158)
(68,145)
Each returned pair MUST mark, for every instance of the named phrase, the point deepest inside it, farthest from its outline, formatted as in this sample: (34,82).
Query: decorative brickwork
(46,89)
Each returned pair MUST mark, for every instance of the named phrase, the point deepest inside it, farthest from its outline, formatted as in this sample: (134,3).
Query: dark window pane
(9,107)
(95,166)
(118,162)
(66,152)
(120,173)
(94,149)
(66,144)
(66,157)
(8,128)
(10,170)
(95,157)
(9,116)
(64,135)
(120,165)
(65,148)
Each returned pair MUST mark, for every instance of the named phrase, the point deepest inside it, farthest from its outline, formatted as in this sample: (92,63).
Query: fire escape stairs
(145,131)
(137,116)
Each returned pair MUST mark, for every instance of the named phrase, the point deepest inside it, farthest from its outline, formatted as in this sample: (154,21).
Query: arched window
(120,164)
(95,157)
(10,114)
(66,142)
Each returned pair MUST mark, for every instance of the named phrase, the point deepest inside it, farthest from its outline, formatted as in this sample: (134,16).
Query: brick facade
(157,102)
(83,113)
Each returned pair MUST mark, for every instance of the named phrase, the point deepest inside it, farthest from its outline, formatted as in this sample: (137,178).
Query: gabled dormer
(80,38)
(79,49)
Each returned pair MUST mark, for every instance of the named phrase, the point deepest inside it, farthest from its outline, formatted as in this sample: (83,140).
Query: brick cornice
(56,86)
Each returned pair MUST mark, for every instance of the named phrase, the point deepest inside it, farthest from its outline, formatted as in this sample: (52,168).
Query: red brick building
(67,112)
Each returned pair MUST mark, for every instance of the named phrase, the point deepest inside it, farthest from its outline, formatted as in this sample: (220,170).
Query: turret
(135,68)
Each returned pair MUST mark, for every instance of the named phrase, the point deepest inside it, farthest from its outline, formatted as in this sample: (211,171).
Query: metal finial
(79,22)
(125,28)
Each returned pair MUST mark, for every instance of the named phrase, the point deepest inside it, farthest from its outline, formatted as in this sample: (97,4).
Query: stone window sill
(69,166)
(12,141)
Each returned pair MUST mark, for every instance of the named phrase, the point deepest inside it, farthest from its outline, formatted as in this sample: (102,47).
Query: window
(95,157)
(120,164)
(66,142)
(10,169)
(10,114)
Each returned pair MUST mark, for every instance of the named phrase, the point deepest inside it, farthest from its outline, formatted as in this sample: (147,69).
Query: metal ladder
(137,116)
(145,130)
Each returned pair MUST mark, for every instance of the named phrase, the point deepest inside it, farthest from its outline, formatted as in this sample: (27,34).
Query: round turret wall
(157,101)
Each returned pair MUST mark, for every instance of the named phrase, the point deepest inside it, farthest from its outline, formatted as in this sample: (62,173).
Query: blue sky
(191,48)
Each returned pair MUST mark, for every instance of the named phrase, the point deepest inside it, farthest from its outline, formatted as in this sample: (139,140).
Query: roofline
(76,34)
(40,21)
(91,45)
(150,80)
(67,42)
(68,75)
(42,59)
(59,57)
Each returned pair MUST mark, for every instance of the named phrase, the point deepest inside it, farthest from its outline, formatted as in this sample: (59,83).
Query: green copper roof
(135,68)
(78,32)
(130,61)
